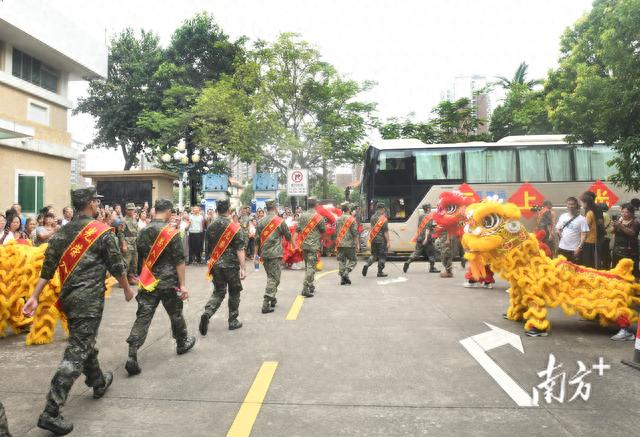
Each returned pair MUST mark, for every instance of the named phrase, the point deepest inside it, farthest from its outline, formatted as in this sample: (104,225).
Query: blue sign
(502,194)
(265,182)
(215,182)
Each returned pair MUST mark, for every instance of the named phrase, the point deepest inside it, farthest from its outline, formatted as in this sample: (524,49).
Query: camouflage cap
(346,205)
(426,205)
(380,205)
(84,195)
(131,205)
(163,205)
(270,203)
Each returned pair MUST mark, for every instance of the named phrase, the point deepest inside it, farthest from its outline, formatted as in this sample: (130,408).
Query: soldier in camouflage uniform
(82,300)
(228,271)
(271,253)
(380,243)
(130,252)
(424,242)
(4,425)
(169,269)
(347,259)
(310,247)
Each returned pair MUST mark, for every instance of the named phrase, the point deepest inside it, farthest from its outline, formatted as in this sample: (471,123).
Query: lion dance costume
(450,220)
(495,236)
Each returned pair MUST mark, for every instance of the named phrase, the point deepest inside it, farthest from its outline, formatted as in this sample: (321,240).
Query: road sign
(467,191)
(479,344)
(297,182)
(526,197)
(603,193)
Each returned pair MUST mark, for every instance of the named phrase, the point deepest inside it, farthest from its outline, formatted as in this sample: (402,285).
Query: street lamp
(181,159)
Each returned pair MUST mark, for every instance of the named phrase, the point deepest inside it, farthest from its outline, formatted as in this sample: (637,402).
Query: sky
(412,49)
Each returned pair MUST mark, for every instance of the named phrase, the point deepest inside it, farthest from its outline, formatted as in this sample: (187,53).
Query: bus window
(544,165)
(484,166)
(591,163)
(393,160)
(438,165)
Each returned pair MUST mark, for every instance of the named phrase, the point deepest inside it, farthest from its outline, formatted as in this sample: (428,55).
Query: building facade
(474,88)
(37,62)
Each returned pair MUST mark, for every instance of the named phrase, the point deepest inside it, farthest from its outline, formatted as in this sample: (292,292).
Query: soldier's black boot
(382,274)
(235,324)
(266,306)
(274,301)
(98,392)
(204,324)
(433,269)
(132,367)
(405,267)
(343,280)
(307,293)
(365,268)
(54,423)
(346,278)
(185,344)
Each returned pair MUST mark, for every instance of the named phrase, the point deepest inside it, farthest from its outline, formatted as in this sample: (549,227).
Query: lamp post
(181,159)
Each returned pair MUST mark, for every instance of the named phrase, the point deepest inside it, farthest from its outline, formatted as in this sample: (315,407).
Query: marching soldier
(346,240)
(162,279)
(269,235)
(4,425)
(424,240)
(311,227)
(82,251)
(379,240)
(226,266)
(129,249)
(444,244)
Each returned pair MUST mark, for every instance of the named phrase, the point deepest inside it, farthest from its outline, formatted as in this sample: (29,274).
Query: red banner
(268,230)
(603,193)
(469,192)
(79,246)
(221,245)
(527,197)
(345,228)
(147,281)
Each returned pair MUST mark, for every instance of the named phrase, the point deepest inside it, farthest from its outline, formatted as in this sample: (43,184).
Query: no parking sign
(297,182)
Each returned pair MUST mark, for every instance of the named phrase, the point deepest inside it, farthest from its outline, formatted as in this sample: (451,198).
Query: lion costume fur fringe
(20,266)
(494,236)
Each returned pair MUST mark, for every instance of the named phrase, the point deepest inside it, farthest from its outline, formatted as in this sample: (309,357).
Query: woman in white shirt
(143,220)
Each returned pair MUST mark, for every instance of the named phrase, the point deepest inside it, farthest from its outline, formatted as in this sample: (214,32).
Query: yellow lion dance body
(20,266)
(494,236)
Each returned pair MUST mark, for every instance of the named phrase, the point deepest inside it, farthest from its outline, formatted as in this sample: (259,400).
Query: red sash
(78,247)
(221,245)
(268,230)
(421,227)
(376,228)
(345,228)
(148,281)
(302,236)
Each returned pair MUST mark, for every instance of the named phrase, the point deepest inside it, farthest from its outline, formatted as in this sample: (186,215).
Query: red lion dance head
(450,213)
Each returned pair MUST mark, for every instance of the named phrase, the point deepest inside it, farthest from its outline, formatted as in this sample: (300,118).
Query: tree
(334,193)
(519,79)
(247,194)
(523,112)
(594,93)
(119,101)
(407,128)
(457,122)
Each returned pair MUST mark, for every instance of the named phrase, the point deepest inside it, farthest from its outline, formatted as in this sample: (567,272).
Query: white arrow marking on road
(477,346)
(392,280)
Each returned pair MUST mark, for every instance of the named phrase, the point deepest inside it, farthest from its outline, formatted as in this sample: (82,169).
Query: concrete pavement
(360,360)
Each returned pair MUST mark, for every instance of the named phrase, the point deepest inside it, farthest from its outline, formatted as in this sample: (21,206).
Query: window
(591,163)
(491,165)
(434,164)
(31,193)
(544,165)
(30,69)
(391,160)
(38,113)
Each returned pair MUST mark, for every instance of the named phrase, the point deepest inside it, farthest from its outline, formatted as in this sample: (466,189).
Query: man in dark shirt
(227,270)
(81,299)
(169,270)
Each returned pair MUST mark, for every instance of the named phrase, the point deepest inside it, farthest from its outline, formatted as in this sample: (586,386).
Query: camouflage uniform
(424,244)
(444,245)
(82,300)
(4,425)
(310,247)
(164,270)
(271,253)
(378,245)
(130,231)
(347,259)
(226,272)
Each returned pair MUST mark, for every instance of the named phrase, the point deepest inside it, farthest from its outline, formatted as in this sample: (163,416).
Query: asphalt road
(377,358)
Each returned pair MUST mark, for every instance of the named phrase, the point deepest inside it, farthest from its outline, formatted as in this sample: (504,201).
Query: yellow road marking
(296,306)
(246,417)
